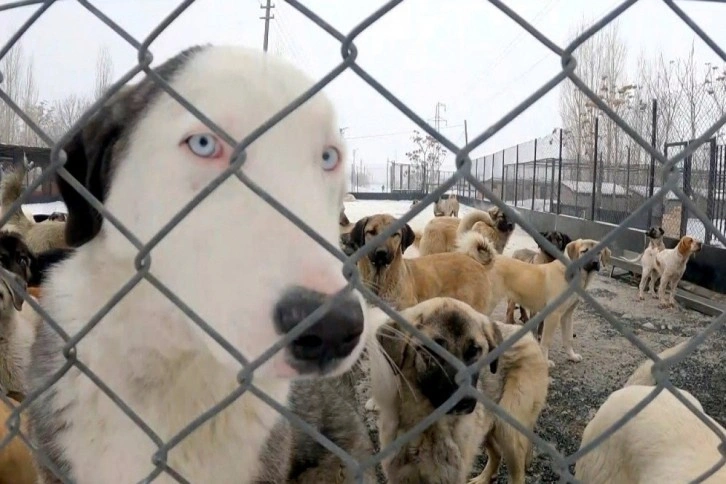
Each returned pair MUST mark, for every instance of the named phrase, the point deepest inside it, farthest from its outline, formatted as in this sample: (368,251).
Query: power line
(395,133)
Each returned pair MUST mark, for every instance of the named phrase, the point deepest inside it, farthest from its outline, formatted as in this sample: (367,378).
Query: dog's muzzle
(592,266)
(464,407)
(381,258)
(505,226)
(320,348)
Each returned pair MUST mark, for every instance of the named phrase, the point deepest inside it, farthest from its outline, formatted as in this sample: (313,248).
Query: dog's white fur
(229,260)
(648,263)
(664,442)
(670,264)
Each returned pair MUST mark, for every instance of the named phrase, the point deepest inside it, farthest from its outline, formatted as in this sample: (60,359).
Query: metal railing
(465,173)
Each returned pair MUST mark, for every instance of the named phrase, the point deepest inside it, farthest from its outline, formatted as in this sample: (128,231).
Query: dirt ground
(578,389)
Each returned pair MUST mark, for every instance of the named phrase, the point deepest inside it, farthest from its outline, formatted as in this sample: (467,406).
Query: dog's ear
(565,240)
(571,249)
(343,219)
(89,160)
(408,237)
(358,234)
(393,342)
(17,299)
(661,232)
(494,339)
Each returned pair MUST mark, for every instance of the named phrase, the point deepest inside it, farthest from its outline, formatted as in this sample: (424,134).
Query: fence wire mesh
(520,176)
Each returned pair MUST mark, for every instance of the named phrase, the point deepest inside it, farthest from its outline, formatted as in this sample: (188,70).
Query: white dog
(647,260)
(664,442)
(251,274)
(670,264)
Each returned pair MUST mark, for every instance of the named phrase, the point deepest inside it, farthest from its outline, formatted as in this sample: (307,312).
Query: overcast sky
(465,54)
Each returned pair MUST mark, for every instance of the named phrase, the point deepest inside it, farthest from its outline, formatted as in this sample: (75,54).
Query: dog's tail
(640,256)
(11,188)
(478,247)
(471,218)
(643,375)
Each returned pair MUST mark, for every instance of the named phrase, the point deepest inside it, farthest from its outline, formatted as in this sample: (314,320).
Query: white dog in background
(245,269)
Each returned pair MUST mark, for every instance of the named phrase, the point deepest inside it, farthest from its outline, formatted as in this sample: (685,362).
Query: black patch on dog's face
(503,222)
(91,153)
(15,256)
(556,238)
(655,233)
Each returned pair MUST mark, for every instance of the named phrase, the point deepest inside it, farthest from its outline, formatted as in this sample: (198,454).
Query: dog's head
(556,238)
(414,203)
(688,246)
(384,255)
(15,256)
(577,248)
(500,219)
(655,233)
(146,157)
(455,326)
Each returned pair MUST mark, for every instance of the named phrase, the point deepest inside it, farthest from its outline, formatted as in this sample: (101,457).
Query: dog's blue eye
(204,145)
(330,158)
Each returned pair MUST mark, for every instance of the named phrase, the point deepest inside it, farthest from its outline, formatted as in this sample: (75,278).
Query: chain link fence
(528,183)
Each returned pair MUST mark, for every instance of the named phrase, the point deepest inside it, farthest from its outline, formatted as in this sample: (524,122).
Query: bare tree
(65,112)
(427,153)
(104,72)
(13,68)
(601,65)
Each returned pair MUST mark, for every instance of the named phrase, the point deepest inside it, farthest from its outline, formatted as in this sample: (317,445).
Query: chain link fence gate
(464,173)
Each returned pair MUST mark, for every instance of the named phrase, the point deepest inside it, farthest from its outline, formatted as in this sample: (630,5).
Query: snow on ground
(361,208)
(44,208)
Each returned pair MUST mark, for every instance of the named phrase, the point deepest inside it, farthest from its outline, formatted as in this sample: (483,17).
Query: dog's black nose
(465,406)
(331,338)
(592,266)
(381,257)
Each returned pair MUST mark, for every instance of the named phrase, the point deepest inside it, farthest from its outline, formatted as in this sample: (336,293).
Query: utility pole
(267,7)
(466,133)
(437,117)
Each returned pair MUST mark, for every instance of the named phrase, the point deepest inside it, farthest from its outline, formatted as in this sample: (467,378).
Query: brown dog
(535,286)
(556,238)
(16,460)
(409,381)
(463,275)
(441,234)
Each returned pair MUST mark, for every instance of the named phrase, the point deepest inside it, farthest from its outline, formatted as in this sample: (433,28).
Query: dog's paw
(371,405)
(574,357)
(550,363)
(641,297)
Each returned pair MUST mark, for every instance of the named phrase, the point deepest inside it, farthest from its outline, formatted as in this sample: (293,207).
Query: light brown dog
(408,382)
(441,234)
(16,460)
(535,286)
(663,442)
(670,264)
(446,206)
(402,282)
(541,256)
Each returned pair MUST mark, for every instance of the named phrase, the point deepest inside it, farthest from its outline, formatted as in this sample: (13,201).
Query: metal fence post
(627,180)
(687,189)
(559,174)
(534,174)
(502,190)
(594,172)
(516,176)
(711,190)
(651,173)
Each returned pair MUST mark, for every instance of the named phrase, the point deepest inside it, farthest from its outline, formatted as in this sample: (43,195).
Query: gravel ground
(578,389)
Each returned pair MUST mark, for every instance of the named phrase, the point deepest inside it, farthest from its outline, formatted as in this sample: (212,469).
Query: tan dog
(670,264)
(647,260)
(535,286)
(16,460)
(556,238)
(408,381)
(446,207)
(664,442)
(441,234)
(405,282)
